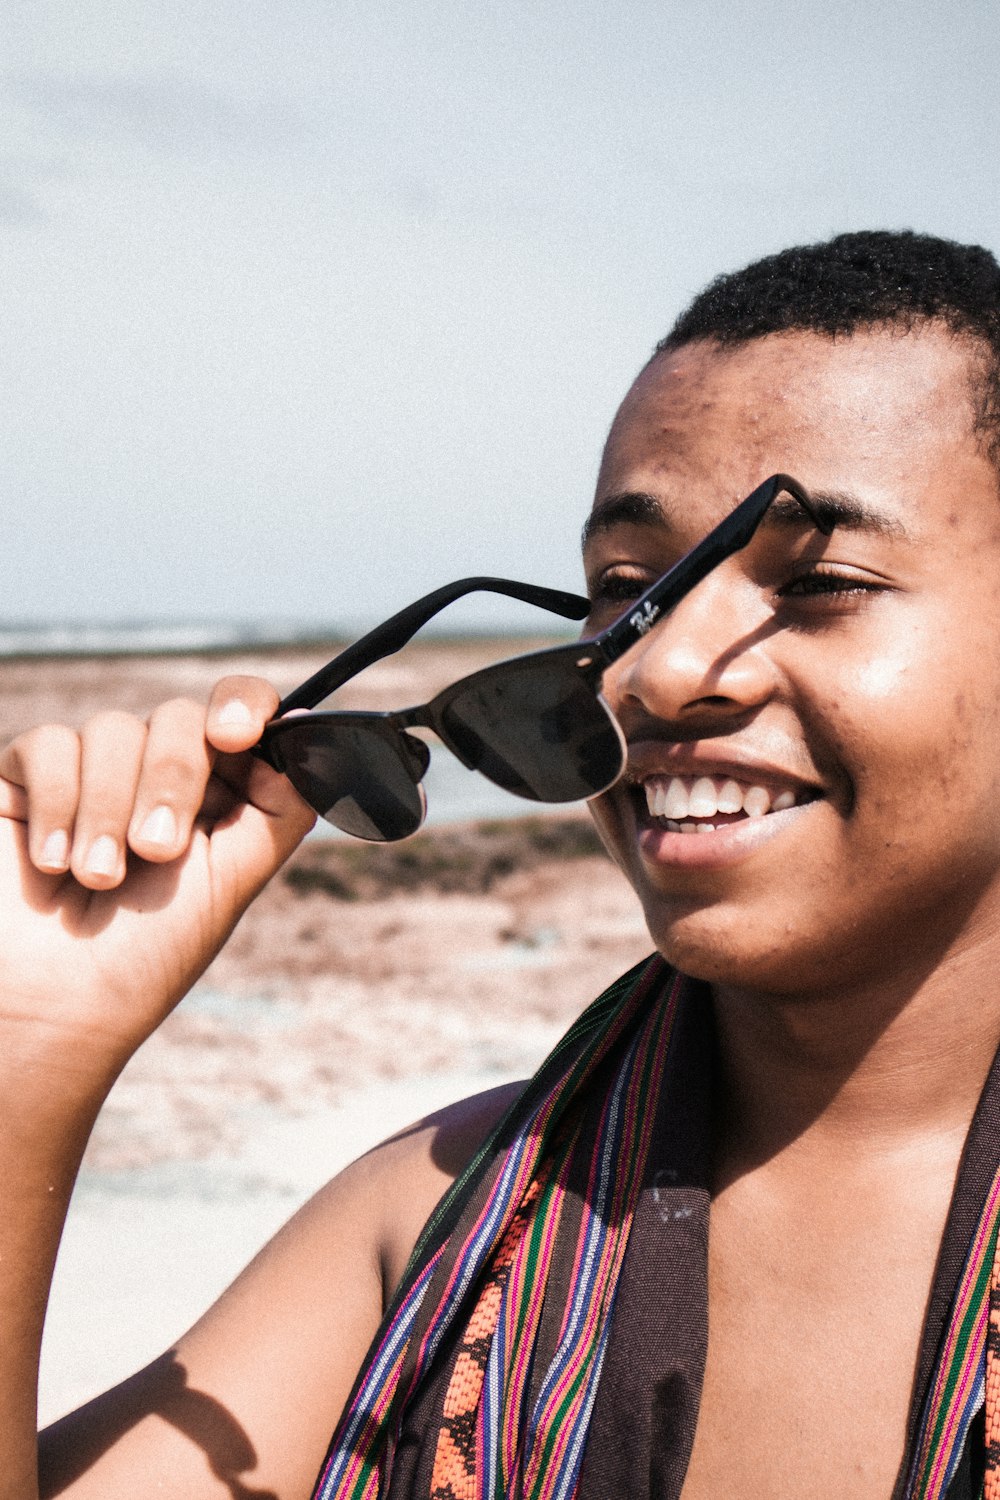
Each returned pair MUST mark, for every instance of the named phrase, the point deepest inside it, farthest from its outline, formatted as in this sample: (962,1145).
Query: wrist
(54,1074)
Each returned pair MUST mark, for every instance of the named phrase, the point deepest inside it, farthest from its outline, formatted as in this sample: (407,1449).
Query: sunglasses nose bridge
(431,716)
(420,717)
(417,751)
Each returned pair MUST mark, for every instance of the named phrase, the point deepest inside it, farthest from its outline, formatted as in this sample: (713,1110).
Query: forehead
(884,412)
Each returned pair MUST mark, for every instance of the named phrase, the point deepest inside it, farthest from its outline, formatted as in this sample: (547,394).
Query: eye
(619,586)
(831,584)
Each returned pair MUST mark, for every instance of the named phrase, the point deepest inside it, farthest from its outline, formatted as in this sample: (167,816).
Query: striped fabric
(967,1371)
(480,1271)
(991,1394)
(474,1290)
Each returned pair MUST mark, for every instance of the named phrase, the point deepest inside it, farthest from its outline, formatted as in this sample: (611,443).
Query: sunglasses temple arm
(393,634)
(728,537)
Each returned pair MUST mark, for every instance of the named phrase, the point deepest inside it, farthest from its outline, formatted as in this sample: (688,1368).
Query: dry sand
(365,988)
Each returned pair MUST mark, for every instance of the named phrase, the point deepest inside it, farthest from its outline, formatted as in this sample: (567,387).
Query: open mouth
(704,804)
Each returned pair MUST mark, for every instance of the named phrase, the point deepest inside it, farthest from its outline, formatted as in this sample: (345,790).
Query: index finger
(238,709)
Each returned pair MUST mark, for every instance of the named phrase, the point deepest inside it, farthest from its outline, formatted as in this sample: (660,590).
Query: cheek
(917,726)
(882,679)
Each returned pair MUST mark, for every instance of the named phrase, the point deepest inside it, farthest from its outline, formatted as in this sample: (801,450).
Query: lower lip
(725,845)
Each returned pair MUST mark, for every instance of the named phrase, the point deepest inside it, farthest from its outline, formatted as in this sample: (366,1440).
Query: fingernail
(55,851)
(234,712)
(160,827)
(103,856)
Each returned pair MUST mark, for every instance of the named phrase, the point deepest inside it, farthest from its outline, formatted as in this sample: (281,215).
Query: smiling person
(810,817)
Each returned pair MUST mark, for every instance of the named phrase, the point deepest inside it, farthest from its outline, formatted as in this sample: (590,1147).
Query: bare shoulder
(409,1173)
(256,1387)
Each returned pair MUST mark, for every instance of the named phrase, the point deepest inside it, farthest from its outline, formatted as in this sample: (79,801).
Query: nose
(707,661)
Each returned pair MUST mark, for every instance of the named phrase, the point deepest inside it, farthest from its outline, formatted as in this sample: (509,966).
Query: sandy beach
(365,988)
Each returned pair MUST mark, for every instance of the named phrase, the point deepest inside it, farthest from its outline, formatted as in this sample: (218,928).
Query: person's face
(813,788)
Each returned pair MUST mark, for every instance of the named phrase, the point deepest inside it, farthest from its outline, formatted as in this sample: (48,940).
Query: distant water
(185,637)
(141,637)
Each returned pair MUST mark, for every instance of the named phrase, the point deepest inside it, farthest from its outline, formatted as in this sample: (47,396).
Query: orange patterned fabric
(456,1457)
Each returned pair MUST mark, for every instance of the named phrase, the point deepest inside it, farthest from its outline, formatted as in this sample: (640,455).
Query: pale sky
(310,306)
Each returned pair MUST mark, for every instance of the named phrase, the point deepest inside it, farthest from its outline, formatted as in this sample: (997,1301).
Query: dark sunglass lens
(355,778)
(539,731)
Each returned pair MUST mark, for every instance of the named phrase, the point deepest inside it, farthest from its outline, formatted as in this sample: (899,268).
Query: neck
(870,1073)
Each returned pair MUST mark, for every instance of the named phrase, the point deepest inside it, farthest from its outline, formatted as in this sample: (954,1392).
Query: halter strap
(473,1294)
(967,1370)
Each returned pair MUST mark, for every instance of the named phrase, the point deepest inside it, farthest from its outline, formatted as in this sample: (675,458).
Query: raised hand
(127,853)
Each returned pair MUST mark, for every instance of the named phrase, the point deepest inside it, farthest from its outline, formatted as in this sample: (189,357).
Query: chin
(698,941)
(722,948)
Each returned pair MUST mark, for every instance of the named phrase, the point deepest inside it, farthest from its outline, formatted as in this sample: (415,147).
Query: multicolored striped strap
(991,1478)
(479,1275)
(967,1371)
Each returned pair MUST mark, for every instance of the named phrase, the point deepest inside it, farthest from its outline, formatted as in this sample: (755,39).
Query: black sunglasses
(535,725)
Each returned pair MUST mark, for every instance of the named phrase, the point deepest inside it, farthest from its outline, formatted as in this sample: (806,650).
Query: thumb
(254,840)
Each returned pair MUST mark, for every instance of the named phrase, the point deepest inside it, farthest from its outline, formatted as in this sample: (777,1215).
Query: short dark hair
(857,281)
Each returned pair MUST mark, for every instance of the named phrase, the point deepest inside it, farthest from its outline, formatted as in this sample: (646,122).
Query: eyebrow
(840,511)
(631,508)
(836,507)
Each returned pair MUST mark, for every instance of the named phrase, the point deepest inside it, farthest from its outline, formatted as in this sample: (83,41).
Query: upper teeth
(680,797)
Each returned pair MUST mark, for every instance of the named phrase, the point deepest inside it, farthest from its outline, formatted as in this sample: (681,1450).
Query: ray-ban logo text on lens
(644,619)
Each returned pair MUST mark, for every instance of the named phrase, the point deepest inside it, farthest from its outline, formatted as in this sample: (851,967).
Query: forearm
(47,1109)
